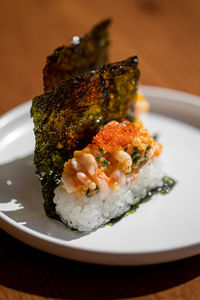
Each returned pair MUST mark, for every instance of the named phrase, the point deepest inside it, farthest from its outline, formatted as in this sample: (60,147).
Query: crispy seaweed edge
(85,53)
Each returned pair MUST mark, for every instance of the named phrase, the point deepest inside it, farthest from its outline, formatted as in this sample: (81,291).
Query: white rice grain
(86,214)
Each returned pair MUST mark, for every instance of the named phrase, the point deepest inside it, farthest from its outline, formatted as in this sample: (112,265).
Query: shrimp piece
(68,183)
(82,177)
(75,164)
(102,181)
(122,156)
(118,176)
(88,162)
(125,159)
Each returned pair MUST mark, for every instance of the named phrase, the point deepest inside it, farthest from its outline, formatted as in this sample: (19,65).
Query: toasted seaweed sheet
(85,53)
(67,118)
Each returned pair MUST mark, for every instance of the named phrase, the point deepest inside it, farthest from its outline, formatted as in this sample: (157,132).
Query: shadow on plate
(35,272)
(21,200)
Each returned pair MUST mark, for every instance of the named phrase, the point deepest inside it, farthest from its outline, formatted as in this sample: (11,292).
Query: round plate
(166,228)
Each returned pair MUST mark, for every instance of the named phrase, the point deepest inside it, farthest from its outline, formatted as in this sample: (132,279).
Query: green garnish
(145,153)
(101,160)
(126,148)
(136,156)
(168,185)
(137,159)
(166,179)
(102,151)
(148,148)
(91,193)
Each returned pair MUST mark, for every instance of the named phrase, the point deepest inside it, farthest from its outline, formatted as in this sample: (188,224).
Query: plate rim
(192,249)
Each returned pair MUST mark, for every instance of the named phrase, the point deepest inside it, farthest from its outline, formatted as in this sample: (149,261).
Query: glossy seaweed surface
(67,118)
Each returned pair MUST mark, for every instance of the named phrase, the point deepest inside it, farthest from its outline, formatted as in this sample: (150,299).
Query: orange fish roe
(116,134)
(118,150)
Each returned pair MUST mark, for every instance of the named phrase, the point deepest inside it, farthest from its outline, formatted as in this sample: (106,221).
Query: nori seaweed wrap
(85,53)
(67,118)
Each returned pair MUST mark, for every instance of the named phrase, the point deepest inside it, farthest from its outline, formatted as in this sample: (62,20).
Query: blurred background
(166,37)
(164,34)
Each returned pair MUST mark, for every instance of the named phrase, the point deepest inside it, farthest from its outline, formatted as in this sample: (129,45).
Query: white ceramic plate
(164,229)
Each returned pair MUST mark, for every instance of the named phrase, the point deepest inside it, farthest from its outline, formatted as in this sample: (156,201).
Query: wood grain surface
(166,37)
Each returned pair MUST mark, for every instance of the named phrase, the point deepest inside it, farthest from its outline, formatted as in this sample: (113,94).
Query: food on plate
(85,53)
(93,156)
(105,179)
(67,118)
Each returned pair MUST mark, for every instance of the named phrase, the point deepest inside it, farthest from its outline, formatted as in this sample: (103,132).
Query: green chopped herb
(148,147)
(166,179)
(126,148)
(145,153)
(102,151)
(101,160)
(91,193)
(136,156)
(168,184)
(137,159)
(106,163)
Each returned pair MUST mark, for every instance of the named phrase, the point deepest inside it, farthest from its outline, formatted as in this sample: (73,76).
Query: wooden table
(166,37)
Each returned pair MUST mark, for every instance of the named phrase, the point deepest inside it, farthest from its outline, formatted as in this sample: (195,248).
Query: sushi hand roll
(102,181)
(93,157)
(67,119)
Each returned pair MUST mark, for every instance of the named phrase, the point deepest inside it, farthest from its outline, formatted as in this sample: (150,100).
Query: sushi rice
(109,176)
(86,214)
